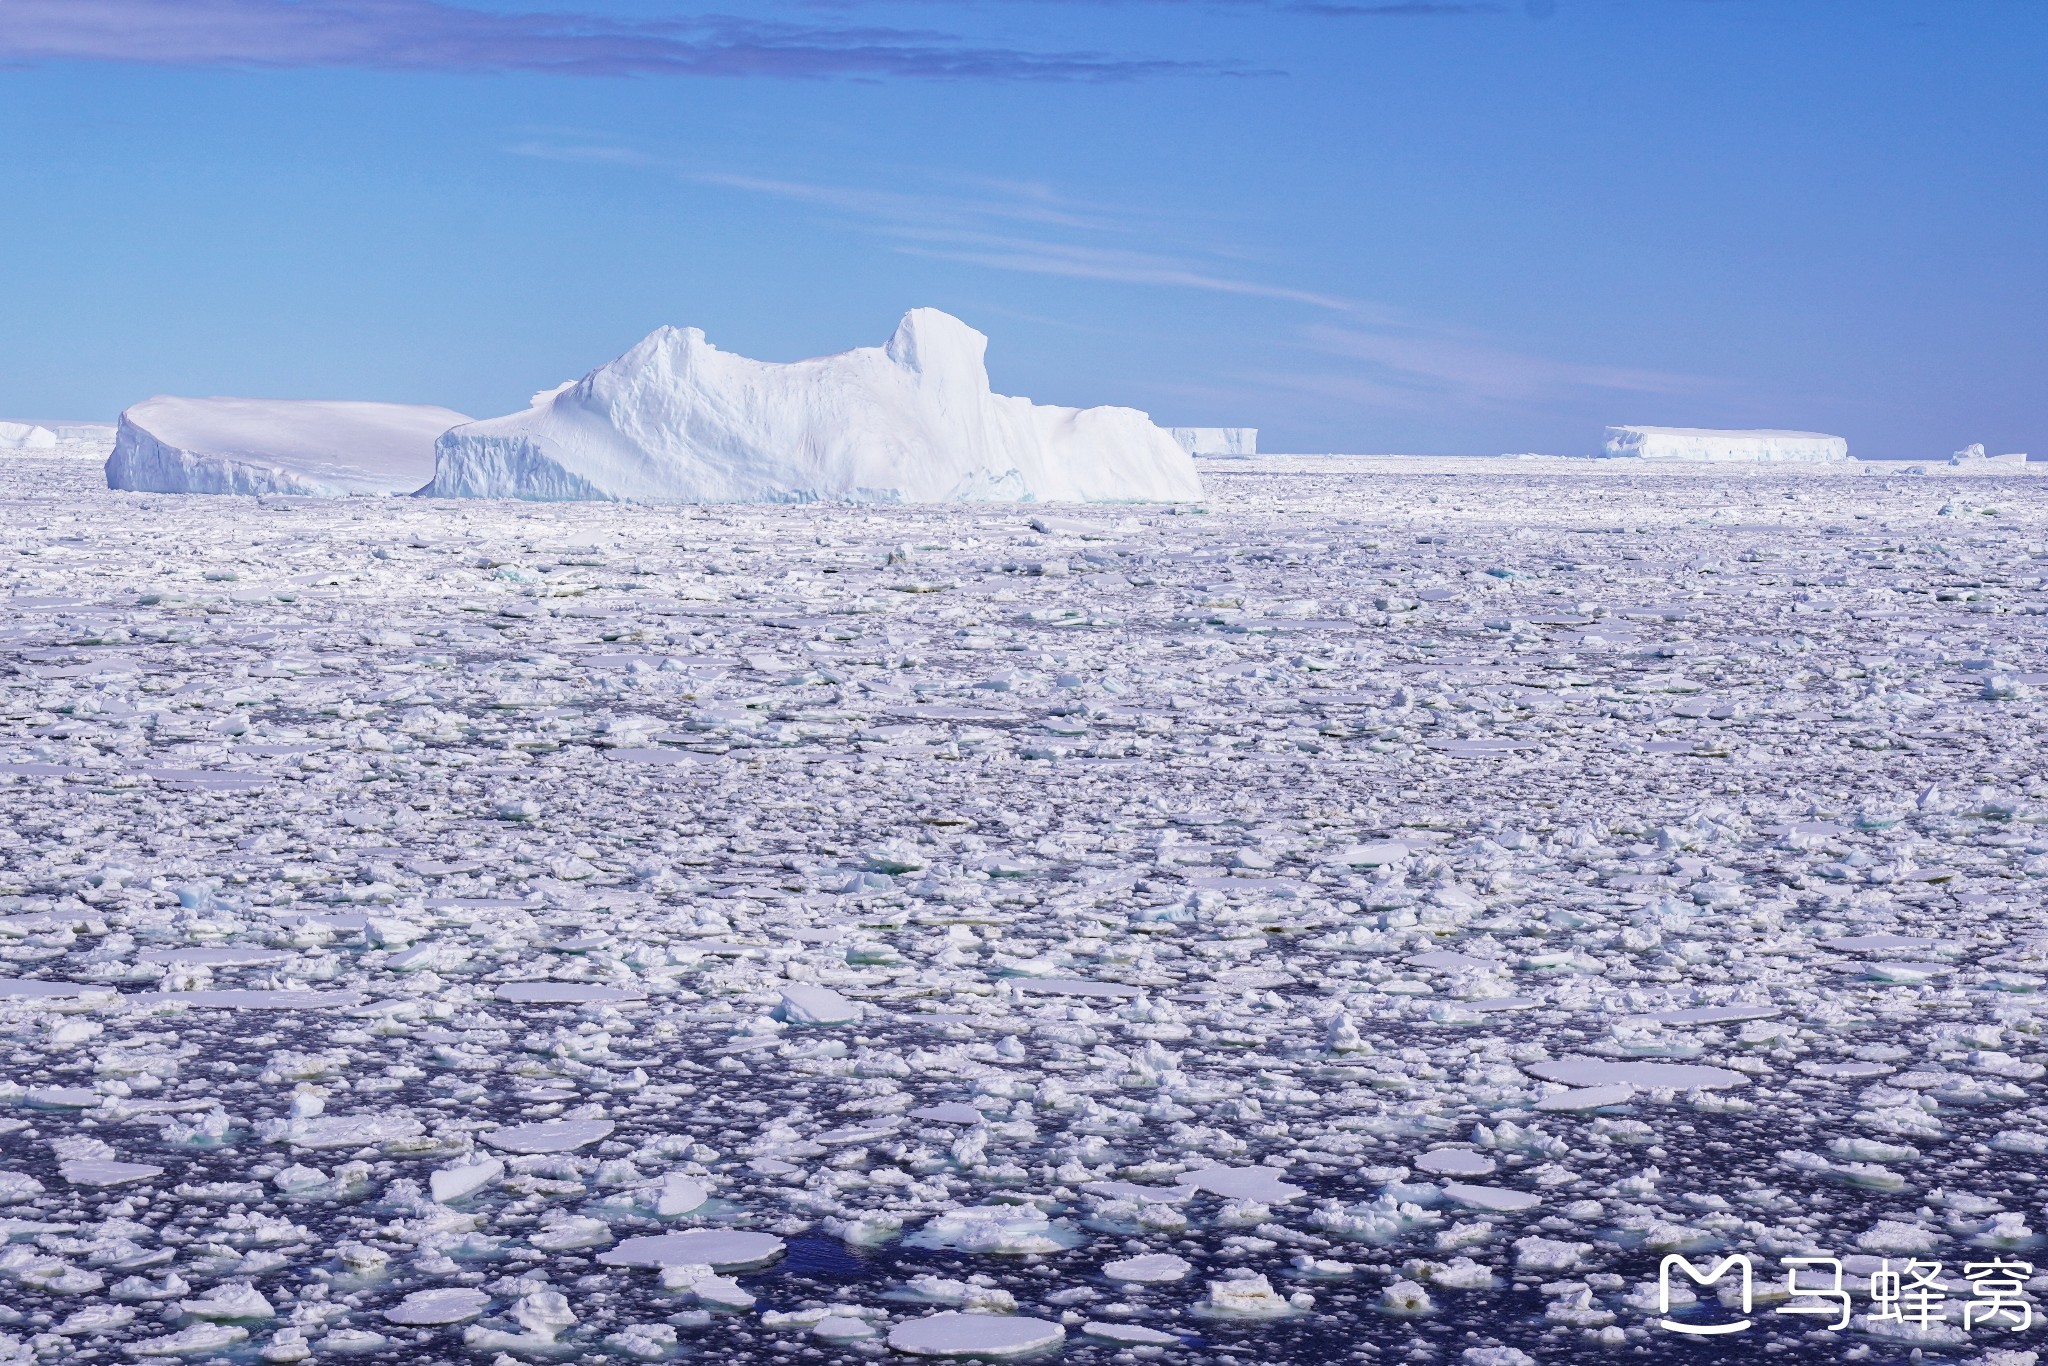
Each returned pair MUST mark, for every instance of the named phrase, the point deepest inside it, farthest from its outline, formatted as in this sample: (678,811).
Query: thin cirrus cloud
(1369,354)
(432,35)
(1003,225)
(1418,369)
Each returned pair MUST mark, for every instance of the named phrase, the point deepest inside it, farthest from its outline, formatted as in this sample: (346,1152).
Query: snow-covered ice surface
(311,447)
(677,420)
(1367,916)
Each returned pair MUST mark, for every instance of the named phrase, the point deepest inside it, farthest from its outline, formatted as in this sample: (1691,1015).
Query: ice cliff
(254,445)
(677,420)
(1702,443)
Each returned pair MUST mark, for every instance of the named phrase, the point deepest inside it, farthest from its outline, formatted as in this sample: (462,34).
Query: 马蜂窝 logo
(1738,1262)
(1913,1296)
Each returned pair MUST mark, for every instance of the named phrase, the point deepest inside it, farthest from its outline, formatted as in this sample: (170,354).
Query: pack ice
(677,420)
(523,934)
(324,448)
(1702,443)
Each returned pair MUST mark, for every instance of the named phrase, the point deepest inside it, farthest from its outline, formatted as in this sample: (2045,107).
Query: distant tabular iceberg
(258,445)
(1703,443)
(26,436)
(1218,440)
(677,420)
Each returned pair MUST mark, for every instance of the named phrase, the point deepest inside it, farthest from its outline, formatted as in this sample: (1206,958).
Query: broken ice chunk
(1498,1198)
(1249,1296)
(197,1340)
(715,1248)
(565,993)
(951,1333)
(1013,1229)
(1152,1268)
(1243,1183)
(1600,1072)
(103,1172)
(1455,1162)
(1407,1299)
(1587,1098)
(552,1136)
(465,1178)
(948,1112)
(430,1308)
(699,1281)
(1130,1334)
(234,1300)
(808,1005)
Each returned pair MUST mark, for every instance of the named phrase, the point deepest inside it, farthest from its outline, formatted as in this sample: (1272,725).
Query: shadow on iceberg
(677,420)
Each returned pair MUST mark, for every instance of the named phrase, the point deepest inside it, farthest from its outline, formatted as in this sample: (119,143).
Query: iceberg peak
(929,341)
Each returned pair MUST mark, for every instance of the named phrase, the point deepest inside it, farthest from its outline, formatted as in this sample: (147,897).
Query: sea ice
(328,902)
(816,1006)
(431,1308)
(719,1249)
(1151,1268)
(550,1136)
(1243,1183)
(953,1334)
(1597,1072)
(565,993)
(1455,1162)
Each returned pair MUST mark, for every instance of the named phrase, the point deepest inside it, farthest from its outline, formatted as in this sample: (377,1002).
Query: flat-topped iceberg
(259,445)
(1736,447)
(677,420)
(26,436)
(1218,440)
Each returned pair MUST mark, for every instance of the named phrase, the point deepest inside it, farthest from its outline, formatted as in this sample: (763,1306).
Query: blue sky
(1388,225)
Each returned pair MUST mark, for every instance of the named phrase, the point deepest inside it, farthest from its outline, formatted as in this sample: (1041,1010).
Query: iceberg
(677,420)
(256,445)
(26,436)
(1703,443)
(1218,440)
(1972,456)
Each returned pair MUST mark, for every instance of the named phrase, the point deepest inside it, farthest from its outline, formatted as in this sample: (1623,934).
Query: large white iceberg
(677,420)
(1704,443)
(257,445)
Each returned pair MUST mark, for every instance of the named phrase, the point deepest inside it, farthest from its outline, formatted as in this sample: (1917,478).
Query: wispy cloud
(1003,225)
(1420,369)
(1356,351)
(433,35)
(1101,263)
